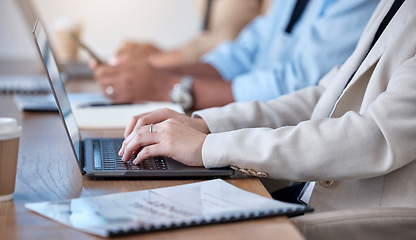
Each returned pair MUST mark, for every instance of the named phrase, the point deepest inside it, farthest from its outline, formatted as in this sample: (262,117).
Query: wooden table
(47,171)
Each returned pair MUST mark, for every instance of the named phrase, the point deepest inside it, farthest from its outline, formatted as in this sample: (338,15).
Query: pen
(101,105)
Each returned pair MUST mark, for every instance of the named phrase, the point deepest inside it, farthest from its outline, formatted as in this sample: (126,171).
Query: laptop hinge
(82,156)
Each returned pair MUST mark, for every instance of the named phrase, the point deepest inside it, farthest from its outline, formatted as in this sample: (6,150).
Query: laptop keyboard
(112,161)
(24,84)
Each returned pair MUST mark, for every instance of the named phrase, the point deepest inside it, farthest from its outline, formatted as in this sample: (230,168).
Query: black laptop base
(102,161)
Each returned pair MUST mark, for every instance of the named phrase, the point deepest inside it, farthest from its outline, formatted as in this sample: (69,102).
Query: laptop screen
(58,88)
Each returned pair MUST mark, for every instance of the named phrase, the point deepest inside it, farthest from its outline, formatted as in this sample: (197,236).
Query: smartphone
(87,49)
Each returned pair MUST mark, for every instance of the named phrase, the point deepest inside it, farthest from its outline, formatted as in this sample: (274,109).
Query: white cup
(10,133)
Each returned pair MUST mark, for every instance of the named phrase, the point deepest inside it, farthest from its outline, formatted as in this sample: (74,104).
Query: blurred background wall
(105,23)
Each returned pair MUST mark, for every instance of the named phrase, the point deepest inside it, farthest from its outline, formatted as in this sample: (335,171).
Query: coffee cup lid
(9,128)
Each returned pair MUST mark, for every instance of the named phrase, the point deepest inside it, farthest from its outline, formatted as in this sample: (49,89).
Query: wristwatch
(182,93)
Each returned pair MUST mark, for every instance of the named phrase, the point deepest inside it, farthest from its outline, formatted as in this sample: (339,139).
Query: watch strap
(186,83)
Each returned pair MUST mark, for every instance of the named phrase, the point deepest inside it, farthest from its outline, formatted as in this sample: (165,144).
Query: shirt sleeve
(329,41)
(232,58)
(227,19)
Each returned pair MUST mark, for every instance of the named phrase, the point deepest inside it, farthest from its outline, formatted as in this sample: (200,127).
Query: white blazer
(359,143)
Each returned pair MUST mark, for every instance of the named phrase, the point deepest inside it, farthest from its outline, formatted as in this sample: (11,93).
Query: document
(113,117)
(202,203)
(93,111)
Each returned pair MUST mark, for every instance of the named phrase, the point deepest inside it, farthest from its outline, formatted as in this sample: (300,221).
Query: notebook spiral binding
(290,212)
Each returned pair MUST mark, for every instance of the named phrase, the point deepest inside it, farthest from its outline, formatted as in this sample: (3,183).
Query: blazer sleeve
(287,110)
(356,145)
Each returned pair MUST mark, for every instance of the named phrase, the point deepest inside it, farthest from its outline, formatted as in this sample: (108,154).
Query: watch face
(183,98)
(181,93)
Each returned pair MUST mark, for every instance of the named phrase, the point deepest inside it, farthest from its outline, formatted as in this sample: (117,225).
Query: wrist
(202,126)
(165,87)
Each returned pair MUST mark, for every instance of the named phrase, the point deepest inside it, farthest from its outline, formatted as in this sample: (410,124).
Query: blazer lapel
(387,38)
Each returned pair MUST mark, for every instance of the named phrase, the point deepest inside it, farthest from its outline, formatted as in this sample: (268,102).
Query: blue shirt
(265,62)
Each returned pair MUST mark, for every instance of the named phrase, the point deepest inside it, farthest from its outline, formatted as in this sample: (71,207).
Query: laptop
(72,69)
(31,89)
(98,157)
(20,75)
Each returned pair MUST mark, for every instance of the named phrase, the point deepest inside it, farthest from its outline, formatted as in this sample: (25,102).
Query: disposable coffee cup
(10,133)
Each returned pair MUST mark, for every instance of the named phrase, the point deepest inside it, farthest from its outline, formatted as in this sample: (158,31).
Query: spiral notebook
(208,202)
